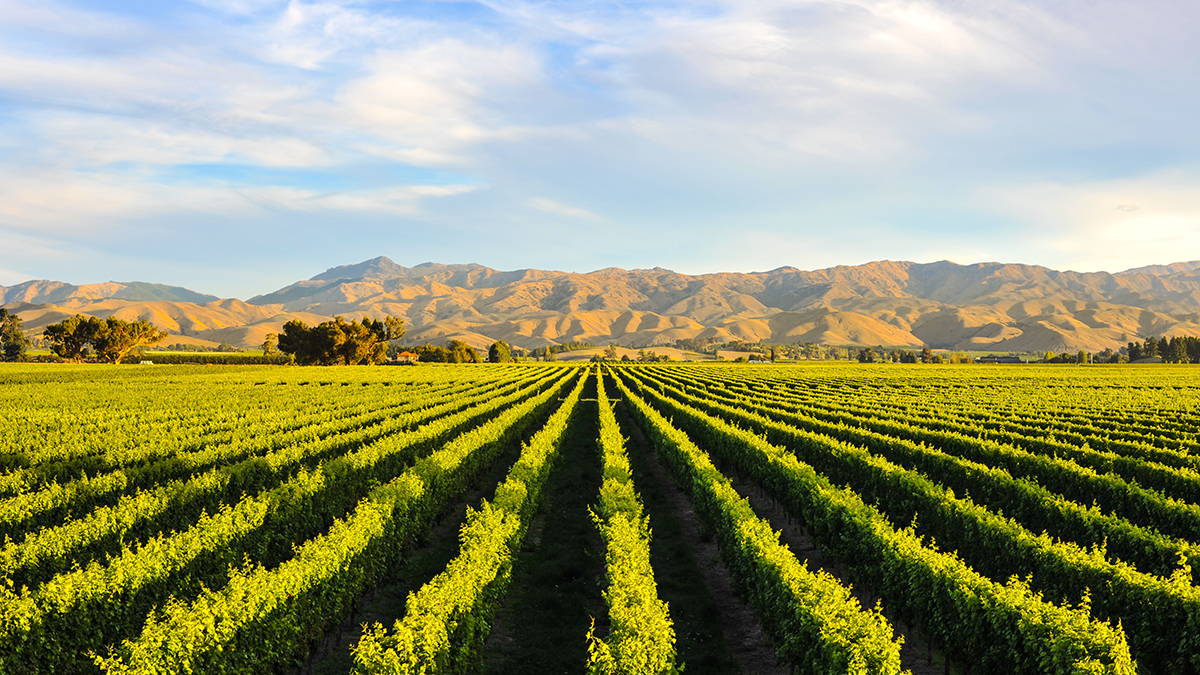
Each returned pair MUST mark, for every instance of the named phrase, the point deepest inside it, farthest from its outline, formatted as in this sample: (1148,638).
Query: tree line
(341,342)
(1179,349)
(455,351)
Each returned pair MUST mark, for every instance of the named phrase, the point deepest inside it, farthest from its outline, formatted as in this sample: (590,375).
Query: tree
(461,352)
(610,352)
(432,354)
(71,338)
(111,339)
(13,342)
(340,341)
(926,355)
(499,352)
(1176,351)
(866,355)
(268,345)
(116,338)
(1135,350)
(1150,348)
(353,342)
(297,341)
(393,328)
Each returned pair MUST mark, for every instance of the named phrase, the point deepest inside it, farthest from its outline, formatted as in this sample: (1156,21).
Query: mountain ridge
(983,306)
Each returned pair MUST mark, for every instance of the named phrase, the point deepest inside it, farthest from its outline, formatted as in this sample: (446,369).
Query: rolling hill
(985,306)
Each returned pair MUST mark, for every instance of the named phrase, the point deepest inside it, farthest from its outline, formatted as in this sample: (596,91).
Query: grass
(700,644)
(557,578)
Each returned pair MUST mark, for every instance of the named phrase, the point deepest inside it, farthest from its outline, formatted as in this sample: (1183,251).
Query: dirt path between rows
(740,628)
(385,603)
(558,575)
(914,654)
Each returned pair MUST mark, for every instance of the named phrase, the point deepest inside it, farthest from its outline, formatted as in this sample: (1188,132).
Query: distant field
(250,518)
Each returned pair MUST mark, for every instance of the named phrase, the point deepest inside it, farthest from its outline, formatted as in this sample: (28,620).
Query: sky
(236,146)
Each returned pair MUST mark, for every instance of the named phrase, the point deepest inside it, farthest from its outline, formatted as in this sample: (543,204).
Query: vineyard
(609,519)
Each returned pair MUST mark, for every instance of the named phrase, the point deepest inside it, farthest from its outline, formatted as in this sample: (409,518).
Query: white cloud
(394,201)
(23,254)
(1108,225)
(12,277)
(562,210)
(432,101)
(240,7)
(66,204)
(679,118)
(307,34)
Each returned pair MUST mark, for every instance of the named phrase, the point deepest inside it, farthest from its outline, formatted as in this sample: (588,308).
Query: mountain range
(985,306)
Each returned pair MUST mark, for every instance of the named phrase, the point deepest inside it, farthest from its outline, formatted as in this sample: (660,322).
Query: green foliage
(212,358)
(445,623)
(704,345)
(113,597)
(117,338)
(176,502)
(432,354)
(812,619)
(641,640)
(889,434)
(340,342)
(548,352)
(1179,349)
(13,342)
(461,352)
(993,545)
(499,352)
(270,612)
(72,338)
(131,501)
(110,339)
(955,606)
(223,348)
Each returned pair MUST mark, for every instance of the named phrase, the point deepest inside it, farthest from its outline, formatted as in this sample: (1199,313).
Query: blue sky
(235,146)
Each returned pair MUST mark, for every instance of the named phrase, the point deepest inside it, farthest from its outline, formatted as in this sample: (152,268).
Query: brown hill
(992,306)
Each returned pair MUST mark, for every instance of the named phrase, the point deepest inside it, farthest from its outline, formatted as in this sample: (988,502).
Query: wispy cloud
(561,209)
(12,277)
(916,120)
(1112,224)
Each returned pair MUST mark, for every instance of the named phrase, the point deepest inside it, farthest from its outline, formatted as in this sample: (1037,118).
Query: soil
(385,603)
(740,631)
(558,576)
(914,652)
